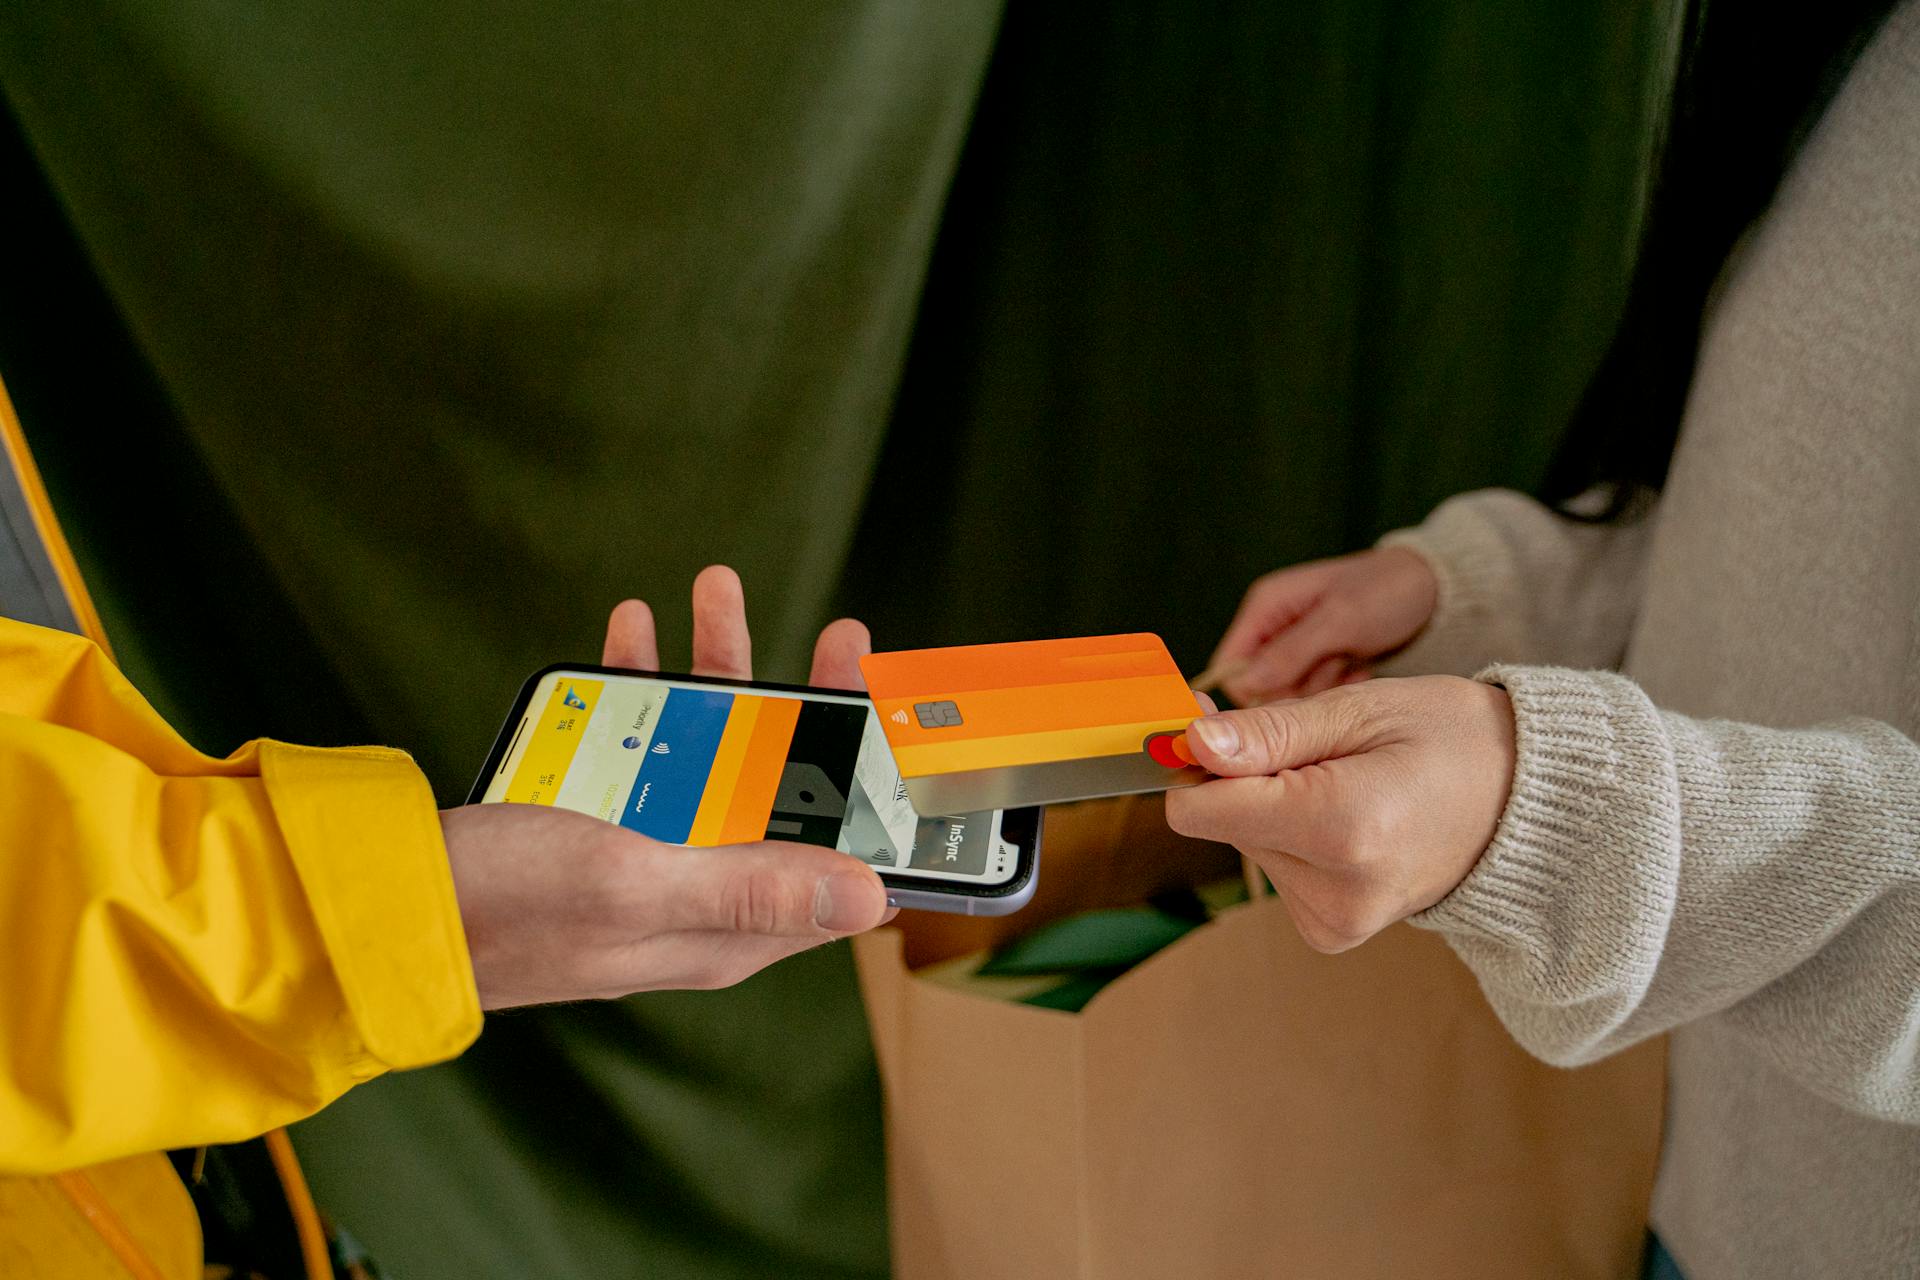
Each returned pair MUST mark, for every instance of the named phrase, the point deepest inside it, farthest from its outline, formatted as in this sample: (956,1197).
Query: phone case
(913,898)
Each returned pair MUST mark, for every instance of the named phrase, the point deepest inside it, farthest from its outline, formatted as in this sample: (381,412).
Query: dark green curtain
(372,350)
(1219,290)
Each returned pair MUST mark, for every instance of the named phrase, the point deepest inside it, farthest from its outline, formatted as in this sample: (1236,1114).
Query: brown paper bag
(1242,1106)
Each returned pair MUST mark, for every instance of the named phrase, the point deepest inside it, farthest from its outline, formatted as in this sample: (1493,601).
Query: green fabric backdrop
(372,350)
(1215,296)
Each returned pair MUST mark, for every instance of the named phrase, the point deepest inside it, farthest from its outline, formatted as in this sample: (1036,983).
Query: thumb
(1263,741)
(773,888)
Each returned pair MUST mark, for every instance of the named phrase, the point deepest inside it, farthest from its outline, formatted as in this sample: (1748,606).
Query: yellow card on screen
(1002,726)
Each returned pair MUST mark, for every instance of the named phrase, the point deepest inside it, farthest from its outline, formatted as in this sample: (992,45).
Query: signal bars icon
(898,717)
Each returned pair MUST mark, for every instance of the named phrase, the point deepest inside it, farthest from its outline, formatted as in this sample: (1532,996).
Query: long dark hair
(1749,86)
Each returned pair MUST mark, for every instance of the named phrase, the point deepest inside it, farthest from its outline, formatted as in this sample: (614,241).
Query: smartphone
(698,760)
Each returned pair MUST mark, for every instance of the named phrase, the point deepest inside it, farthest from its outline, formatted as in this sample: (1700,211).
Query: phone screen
(701,764)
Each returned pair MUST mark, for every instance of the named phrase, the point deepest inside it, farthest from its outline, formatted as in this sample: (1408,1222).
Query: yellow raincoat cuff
(364,836)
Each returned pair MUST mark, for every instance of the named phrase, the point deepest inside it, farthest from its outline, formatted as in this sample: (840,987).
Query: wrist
(1561,797)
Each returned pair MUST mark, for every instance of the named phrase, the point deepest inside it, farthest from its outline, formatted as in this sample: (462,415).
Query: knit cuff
(1473,572)
(1572,865)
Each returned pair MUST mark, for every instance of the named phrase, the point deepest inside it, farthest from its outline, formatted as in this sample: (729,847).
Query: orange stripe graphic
(727,759)
(992,713)
(919,673)
(759,777)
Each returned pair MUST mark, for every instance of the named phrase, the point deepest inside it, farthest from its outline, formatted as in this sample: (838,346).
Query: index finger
(1299,811)
(631,640)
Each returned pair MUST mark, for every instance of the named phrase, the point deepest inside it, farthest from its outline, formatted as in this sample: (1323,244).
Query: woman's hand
(1364,804)
(1303,630)
(562,906)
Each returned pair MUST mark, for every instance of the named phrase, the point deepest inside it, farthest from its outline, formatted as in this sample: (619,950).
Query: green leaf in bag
(1116,939)
(1073,994)
(962,974)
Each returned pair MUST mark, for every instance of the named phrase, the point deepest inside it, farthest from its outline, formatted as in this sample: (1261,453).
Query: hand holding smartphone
(701,760)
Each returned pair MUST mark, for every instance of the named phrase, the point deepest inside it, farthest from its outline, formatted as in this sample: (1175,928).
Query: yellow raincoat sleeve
(196,950)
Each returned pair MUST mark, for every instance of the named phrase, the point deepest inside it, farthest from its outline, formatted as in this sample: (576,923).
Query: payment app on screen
(696,764)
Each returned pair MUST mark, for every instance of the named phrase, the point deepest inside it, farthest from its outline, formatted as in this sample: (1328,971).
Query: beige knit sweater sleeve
(1652,868)
(1518,583)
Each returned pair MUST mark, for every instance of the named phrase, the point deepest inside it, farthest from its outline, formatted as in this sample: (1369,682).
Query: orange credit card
(1003,726)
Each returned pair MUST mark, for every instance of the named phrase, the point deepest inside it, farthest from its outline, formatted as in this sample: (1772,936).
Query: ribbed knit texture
(1724,840)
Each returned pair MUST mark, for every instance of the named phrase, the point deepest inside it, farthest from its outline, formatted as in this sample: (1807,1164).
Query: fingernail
(1217,733)
(844,902)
